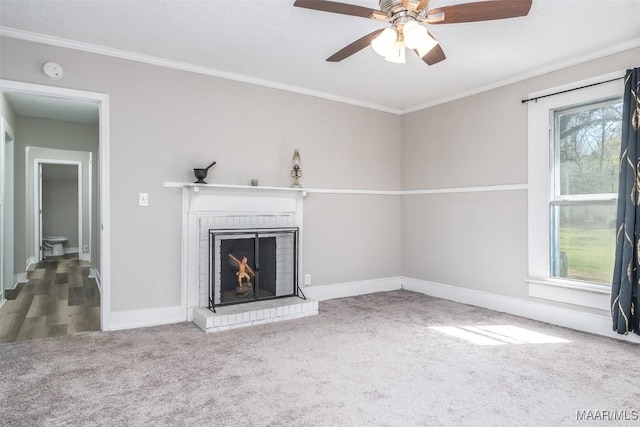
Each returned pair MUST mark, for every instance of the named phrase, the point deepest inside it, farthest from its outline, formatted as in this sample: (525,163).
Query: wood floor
(58,299)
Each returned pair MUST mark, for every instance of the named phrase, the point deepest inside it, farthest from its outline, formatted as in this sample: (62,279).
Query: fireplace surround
(214,213)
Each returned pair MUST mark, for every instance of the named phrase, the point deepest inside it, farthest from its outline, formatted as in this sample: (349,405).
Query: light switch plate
(143,199)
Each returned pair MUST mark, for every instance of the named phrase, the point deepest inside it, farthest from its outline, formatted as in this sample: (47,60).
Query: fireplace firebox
(251,265)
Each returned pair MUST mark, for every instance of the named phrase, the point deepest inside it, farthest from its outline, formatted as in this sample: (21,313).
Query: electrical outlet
(143,199)
(307,279)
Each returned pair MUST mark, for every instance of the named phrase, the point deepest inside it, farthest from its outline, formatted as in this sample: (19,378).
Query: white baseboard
(573,319)
(350,289)
(70,250)
(32,261)
(148,317)
(17,279)
(94,273)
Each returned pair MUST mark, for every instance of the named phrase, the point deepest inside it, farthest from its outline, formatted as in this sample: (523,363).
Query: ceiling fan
(406,17)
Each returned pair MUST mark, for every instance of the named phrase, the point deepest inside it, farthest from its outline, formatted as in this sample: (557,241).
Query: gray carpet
(371,360)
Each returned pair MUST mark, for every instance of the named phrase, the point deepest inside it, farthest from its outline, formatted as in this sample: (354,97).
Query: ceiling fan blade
(433,56)
(354,47)
(422,5)
(335,7)
(479,11)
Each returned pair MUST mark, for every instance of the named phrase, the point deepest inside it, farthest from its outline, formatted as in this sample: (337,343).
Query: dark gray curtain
(625,292)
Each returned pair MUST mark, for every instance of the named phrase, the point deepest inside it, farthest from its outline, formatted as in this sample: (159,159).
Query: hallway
(58,299)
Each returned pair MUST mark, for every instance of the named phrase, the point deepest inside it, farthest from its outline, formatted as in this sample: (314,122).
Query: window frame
(541,192)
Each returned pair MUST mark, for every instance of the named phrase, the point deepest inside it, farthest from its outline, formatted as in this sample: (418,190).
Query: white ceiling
(49,107)
(273,43)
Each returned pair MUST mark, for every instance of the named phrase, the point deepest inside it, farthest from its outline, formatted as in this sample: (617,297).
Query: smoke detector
(53,70)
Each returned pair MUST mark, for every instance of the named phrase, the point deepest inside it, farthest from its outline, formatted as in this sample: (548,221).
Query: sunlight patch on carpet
(498,335)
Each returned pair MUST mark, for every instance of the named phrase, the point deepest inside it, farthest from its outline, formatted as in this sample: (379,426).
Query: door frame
(102,100)
(37,202)
(6,207)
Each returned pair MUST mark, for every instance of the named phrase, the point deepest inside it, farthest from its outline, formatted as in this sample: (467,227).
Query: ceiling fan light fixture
(414,34)
(384,42)
(397,54)
(426,44)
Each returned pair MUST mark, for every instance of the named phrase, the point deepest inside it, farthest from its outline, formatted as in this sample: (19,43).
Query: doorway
(99,256)
(59,210)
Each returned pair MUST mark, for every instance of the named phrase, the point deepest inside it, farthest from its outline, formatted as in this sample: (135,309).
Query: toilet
(54,245)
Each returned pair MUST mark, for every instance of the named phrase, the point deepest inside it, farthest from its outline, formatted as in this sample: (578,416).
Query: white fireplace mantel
(304,191)
(212,206)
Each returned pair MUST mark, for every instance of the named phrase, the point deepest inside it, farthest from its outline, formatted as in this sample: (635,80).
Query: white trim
(41,159)
(102,100)
(147,317)
(531,73)
(21,278)
(184,66)
(353,191)
(7,201)
(104,174)
(94,273)
(16,280)
(571,294)
(573,319)
(349,289)
(31,263)
(475,189)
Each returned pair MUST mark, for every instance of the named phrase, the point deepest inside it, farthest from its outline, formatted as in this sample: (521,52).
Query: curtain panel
(625,292)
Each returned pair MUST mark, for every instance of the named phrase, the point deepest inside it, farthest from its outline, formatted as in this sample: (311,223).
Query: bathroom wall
(54,139)
(60,203)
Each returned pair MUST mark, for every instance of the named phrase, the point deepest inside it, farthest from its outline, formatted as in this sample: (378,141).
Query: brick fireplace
(219,221)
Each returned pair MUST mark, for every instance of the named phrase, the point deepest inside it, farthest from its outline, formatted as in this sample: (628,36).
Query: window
(574,146)
(585,151)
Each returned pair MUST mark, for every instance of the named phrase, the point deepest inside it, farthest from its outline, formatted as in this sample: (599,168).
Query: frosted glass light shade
(414,34)
(426,44)
(397,54)
(383,44)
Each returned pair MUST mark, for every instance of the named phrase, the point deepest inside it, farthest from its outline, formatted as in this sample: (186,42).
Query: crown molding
(184,66)
(534,72)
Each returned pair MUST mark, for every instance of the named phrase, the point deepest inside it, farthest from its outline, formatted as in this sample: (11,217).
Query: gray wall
(476,240)
(59,135)
(165,122)
(60,208)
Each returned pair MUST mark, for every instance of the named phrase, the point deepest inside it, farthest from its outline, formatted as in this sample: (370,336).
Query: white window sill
(575,293)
